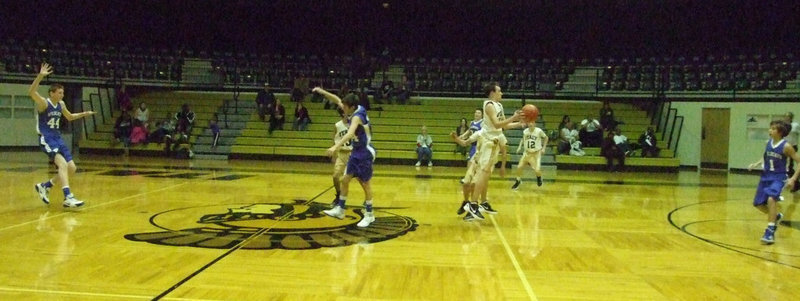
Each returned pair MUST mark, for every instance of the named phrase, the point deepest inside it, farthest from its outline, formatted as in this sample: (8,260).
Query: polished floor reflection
(252,230)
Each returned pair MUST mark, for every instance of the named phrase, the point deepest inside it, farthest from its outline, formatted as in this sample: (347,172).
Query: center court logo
(295,226)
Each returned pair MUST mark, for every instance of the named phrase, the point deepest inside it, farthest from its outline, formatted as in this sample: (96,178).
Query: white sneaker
(430,163)
(336,212)
(418,164)
(72,202)
(42,192)
(369,217)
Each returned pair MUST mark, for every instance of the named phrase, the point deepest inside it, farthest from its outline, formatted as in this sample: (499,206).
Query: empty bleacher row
(458,75)
(709,73)
(83,60)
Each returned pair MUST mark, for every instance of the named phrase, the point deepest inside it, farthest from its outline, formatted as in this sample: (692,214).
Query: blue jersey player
(773,176)
(359,165)
(50,111)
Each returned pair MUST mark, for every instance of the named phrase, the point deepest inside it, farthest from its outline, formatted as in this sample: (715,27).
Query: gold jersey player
(490,141)
(534,141)
(50,111)
(342,155)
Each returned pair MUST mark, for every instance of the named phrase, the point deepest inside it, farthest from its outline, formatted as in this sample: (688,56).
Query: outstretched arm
(756,164)
(329,96)
(70,116)
(491,115)
(41,104)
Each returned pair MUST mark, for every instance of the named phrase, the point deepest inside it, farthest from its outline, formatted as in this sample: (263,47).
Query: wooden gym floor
(252,230)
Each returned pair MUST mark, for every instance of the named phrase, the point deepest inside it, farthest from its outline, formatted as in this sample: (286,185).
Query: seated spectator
(143,114)
(622,142)
(138,133)
(164,130)
(363,99)
(301,118)
(424,144)
(215,131)
(568,141)
(264,100)
(462,128)
(122,130)
(404,92)
(607,120)
(648,143)
(611,152)
(563,123)
(124,99)
(591,132)
(184,119)
(277,116)
(385,92)
(300,89)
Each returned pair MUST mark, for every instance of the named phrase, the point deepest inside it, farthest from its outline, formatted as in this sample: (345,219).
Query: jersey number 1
(771,165)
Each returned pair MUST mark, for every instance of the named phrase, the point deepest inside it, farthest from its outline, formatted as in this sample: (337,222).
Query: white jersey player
(534,140)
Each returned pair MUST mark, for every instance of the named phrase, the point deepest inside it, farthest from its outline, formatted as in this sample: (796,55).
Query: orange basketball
(530,113)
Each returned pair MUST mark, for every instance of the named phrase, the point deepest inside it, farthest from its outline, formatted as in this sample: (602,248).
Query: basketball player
(341,156)
(474,127)
(359,165)
(469,178)
(534,140)
(467,185)
(773,176)
(492,139)
(50,110)
(792,138)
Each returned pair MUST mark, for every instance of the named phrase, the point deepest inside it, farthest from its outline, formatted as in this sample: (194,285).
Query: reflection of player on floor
(773,176)
(50,111)
(534,140)
(359,165)
(340,157)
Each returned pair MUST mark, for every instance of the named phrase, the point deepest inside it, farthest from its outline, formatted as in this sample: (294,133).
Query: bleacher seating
(161,106)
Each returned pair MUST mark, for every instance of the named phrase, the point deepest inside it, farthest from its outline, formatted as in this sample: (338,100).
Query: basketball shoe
(336,212)
(42,192)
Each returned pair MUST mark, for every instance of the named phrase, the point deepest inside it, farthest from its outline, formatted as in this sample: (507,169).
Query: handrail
(678,139)
(100,101)
(94,119)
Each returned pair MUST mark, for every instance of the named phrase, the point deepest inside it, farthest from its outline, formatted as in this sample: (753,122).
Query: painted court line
(87,294)
(88,207)
(514,261)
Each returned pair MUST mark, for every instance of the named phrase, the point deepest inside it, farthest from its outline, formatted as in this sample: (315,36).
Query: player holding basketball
(773,176)
(535,141)
(50,111)
(340,157)
(490,142)
(359,165)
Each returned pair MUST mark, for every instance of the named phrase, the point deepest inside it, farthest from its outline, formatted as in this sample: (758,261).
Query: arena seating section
(397,125)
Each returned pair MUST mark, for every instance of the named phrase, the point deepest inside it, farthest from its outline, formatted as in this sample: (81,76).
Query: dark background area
(417,28)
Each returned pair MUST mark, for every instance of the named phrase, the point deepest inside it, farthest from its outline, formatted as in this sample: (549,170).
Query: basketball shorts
(54,145)
(767,188)
(534,159)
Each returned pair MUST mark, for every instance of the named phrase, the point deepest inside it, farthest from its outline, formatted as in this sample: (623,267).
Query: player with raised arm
(359,165)
(49,113)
